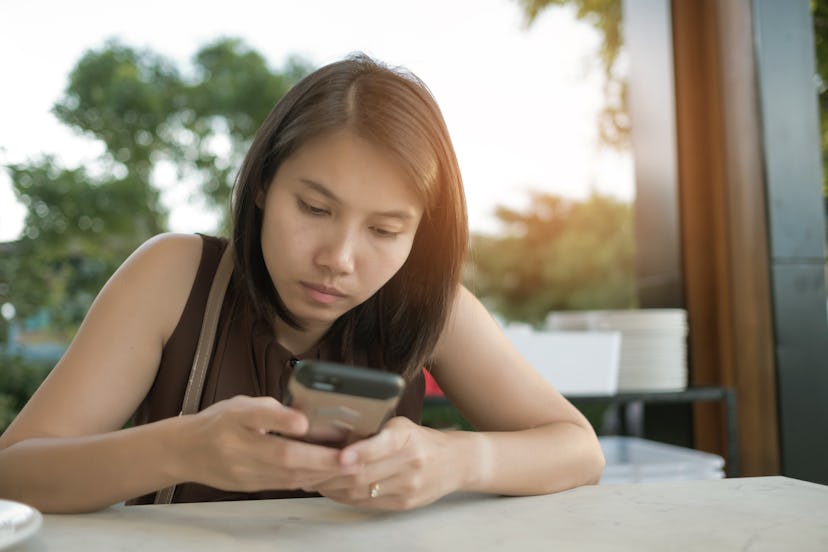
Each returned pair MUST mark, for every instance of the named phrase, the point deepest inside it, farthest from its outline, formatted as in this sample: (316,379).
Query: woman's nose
(338,253)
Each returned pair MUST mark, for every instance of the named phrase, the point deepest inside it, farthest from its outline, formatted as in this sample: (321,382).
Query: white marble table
(768,513)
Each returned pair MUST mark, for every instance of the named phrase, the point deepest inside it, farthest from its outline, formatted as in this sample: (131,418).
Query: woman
(349,234)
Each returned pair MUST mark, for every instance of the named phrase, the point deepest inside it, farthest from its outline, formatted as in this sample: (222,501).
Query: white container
(575,363)
(634,460)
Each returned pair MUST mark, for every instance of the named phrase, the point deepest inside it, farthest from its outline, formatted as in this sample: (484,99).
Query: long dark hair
(392,109)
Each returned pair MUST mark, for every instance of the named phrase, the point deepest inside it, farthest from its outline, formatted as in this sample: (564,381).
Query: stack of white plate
(653,344)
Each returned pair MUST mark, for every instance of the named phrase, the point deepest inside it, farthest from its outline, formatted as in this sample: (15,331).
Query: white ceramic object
(17,522)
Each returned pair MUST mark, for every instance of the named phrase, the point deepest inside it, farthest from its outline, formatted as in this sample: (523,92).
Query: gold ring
(375,488)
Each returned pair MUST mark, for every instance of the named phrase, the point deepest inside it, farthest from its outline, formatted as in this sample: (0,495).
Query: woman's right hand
(237,444)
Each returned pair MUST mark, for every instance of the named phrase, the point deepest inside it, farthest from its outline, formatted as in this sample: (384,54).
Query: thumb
(267,415)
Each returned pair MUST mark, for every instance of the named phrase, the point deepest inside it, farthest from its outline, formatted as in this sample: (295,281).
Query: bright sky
(520,103)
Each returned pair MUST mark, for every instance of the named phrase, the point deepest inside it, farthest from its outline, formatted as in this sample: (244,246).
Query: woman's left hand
(403,466)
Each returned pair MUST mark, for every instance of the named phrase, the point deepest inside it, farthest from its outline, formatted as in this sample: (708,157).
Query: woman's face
(339,221)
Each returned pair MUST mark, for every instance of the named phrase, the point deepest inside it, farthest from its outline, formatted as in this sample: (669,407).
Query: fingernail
(348,458)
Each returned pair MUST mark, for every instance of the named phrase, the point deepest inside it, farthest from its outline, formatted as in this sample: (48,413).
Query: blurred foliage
(76,233)
(20,379)
(605,17)
(441,414)
(82,223)
(146,111)
(559,255)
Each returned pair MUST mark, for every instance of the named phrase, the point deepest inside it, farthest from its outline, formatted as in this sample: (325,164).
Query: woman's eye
(383,233)
(312,209)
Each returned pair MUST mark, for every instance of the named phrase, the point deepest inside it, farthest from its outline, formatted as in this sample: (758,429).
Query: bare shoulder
(173,251)
(468,322)
(162,269)
(465,308)
(111,363)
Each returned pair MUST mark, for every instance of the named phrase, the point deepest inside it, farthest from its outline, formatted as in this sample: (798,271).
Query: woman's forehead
(349,169)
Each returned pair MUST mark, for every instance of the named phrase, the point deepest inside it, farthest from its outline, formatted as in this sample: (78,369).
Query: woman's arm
(66,451)
(228,446)
(532,439)
(98,383)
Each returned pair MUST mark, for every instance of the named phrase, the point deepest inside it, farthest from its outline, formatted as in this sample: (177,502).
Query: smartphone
(343,403)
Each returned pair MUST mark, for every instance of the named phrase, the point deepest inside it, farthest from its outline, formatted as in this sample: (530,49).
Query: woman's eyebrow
(316,186)
(401,214)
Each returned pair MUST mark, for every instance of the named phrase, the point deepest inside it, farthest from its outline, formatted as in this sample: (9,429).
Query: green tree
(605,17)
(614,122)
(145,111)
(82,223)
(559,255)
(76,233)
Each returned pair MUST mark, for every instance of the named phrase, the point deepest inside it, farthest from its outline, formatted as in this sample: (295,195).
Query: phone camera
(327,383)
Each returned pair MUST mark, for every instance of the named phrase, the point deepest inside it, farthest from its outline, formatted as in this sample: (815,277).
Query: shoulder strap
(204,349)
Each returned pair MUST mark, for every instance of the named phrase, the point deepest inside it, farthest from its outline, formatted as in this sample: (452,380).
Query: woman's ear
(260,199)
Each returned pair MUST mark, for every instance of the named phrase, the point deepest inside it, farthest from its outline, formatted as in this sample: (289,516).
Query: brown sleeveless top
(247,360)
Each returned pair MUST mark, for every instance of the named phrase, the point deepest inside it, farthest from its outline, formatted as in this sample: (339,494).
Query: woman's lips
(322,294)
